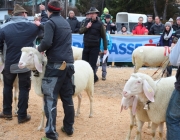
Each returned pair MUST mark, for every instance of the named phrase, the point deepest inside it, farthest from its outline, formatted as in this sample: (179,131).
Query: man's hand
(105,51)
(37,23)
(89,25)
(41,7)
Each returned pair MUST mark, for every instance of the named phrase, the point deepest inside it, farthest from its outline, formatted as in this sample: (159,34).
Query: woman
(124,31)
(166,40)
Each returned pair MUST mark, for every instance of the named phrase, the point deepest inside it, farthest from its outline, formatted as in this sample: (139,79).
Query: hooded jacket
(74,23)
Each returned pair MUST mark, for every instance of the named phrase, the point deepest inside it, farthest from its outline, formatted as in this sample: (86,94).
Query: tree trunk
(165,10)
(154,7)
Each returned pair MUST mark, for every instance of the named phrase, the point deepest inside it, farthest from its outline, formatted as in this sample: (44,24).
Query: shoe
(28,118)
(7,117)
(103,78)
(45,138)
(69,134)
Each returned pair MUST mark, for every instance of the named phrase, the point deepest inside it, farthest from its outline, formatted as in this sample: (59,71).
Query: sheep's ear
(38,65)
(148,90)
(134,105)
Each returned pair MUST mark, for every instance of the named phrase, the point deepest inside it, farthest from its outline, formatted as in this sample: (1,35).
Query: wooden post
(112,64)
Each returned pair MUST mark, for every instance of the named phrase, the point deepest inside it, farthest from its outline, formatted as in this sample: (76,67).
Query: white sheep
(157,92)
(83,77)
(77,53)
(149,56)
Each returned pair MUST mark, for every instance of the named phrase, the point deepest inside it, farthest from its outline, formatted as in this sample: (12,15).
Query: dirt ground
(106,124)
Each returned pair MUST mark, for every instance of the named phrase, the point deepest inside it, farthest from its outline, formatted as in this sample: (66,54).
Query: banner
(122,47)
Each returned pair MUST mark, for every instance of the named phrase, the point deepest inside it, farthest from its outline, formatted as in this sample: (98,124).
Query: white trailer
(128,19)
(3,12)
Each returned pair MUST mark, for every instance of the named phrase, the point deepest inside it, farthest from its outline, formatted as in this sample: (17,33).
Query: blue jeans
(173,117)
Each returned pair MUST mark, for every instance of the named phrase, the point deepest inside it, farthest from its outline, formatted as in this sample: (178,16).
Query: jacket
(110,28)
(139,29)
(93,35)
(175,27)
(148,25)
(16,34)
(163,42)
(57,40)
(177,33)
(109,42)
(74,23)
(156,29)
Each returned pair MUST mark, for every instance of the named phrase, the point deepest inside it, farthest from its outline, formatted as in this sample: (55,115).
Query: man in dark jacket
(177,25)
(111,27)
(73,22)
(149,22)
(157,28)
(57,44)
(93,30)
(16,34)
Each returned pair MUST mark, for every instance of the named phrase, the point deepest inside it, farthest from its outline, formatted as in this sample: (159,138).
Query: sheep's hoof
(15,114)
(40,128)
(90,116)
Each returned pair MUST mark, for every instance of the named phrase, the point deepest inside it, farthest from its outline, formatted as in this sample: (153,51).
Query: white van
(128,19)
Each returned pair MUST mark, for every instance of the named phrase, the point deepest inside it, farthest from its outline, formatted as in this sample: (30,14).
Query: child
(104,64)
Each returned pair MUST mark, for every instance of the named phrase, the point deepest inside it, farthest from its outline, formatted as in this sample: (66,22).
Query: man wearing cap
(57,42)
(110,27)
(93,30)
(177,25)
(73,22)
(14,35)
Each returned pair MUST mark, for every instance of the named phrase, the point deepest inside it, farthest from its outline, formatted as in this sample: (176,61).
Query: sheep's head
(31,59)
(137,85)
(129,102)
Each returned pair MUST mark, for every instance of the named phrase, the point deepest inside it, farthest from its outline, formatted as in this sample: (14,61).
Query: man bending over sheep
(57,44)
(16,34)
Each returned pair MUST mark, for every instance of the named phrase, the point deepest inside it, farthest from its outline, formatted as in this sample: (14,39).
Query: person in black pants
(57,42)
(93,30)
(17,33)
(166,40)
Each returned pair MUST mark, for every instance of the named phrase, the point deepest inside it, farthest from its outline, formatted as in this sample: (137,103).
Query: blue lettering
(137,45)
(131,48)
(113,49)
(122,49)
(77,44)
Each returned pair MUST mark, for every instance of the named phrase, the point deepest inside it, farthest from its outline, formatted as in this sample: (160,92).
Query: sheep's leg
(16,91)
(132,122)
(41,126)
(153,129)
(90,95)
(149,125)
(79,104)
(161,125)
(139,129)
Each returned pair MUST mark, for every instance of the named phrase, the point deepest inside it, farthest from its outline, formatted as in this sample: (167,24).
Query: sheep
(155,95)
(138,111)
(83,77)
(77,53)
(149,56)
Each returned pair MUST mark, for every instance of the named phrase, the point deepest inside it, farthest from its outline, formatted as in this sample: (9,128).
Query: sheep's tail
(134,63)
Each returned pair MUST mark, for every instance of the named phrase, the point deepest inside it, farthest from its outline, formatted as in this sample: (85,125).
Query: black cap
(108,16)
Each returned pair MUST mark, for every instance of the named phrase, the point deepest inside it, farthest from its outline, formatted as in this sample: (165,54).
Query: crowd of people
(53,35)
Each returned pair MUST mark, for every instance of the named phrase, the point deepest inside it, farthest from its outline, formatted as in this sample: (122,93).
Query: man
(93,30)
(149,22)
(57,44)
(84,20)
(177,25)
(171,21)
(16,34)
(173,109)
(73,22)
(157,28)
(110,27)
(139,29)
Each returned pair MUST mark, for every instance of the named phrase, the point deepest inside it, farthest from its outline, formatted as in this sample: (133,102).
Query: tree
(155,7)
